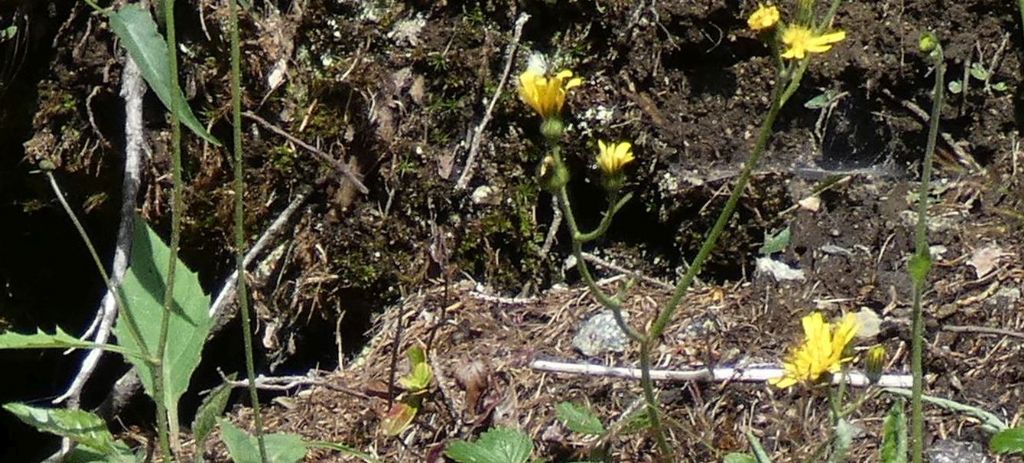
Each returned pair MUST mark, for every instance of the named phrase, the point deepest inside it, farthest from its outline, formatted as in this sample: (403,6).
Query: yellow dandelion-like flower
(823,350)
(874,362)
(546,95)
(765,17)
(800,41)
(611,157)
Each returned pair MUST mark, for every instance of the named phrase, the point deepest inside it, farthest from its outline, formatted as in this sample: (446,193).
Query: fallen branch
(725,374)
(133,89)
(322,155)
(284,383)
(474,144)
(983,330)
(603,263)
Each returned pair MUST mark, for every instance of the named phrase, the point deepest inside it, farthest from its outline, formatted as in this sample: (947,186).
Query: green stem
(606,221)
(919,272)
(131,324)
(723,218)
(709,244)
(159,391)
(653,409)
(1020,6)
(239,186)
(613,304)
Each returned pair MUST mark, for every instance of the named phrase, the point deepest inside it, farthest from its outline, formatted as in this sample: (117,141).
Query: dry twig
(477,135)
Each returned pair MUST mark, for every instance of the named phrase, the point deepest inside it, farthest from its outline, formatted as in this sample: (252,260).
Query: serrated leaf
(58,340)
(894,435)
(82,427)
(398,419)
(134,25)
(755,444)
(775,242)
(243,448)
(579,418)
(739,458)
(841,442)
(209,411)
(497,445)
(955,87)
(143,294)
(81,454)
(1008,441)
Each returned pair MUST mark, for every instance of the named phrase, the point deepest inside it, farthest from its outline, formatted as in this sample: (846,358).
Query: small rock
(869,323)
(810,203)
(600,334)
(951,451)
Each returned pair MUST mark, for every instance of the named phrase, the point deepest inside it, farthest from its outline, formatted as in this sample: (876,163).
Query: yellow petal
(573,83)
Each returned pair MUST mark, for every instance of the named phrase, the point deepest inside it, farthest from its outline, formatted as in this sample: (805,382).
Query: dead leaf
(869,323)
(474,377)
(984,260)
(398,419)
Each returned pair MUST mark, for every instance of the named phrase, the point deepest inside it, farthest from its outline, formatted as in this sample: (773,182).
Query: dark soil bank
(398,89)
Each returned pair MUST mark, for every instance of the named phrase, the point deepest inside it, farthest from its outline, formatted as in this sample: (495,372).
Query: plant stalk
(239,232)
(159,391)
(923,255)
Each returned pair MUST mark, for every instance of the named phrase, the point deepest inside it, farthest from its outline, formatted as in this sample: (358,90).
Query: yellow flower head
(765,17)
(800,41)
(546,95)
(613,156)
(821,352)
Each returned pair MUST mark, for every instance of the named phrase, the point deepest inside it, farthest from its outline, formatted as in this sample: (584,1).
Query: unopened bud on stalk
(874,362)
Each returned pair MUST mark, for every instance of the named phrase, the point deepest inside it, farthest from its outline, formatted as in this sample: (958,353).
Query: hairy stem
(922,259)
(176,212)
(239,186)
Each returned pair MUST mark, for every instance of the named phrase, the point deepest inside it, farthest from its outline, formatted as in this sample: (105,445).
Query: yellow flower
(546,95)
(763,18)
(613,156)
(800,41)
(821,352)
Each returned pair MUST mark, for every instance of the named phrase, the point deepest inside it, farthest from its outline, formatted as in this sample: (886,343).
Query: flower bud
(552,173)
(927,42)
(552,129)
(874,362)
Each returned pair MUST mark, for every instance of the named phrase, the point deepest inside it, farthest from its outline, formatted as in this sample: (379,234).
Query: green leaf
(497,445)
(739,458)
(775,243)
(80,454)
(243,448)
(58,340)
(579,418)
(919,266)
(979,72)
(955,87)
(894,435)
(189,324)
(418,379)
(1000,87)
(82,427)
(212,408)
(416,355)
(139,35)
(841,442)
(1008,441)
(755,444)
(821,101)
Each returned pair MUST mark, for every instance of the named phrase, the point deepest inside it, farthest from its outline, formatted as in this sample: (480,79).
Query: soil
(396,89)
